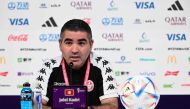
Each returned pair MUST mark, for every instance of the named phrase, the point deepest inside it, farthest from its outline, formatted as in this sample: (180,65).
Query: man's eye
(82,43)
(68,43)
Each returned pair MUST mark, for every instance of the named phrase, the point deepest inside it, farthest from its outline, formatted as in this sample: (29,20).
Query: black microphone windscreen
(71,64)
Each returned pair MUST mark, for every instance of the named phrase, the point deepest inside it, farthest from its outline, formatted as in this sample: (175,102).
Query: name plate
(72,97)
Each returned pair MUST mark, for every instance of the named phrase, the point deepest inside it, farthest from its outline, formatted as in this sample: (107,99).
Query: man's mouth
(74,58)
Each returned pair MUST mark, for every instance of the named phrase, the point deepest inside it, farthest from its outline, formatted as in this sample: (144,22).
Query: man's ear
(91,44)
(60,42)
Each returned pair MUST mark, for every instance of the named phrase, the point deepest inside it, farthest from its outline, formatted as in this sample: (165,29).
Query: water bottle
(38,97)
(26,96)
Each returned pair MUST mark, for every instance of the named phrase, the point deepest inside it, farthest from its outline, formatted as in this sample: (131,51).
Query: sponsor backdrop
(140,37)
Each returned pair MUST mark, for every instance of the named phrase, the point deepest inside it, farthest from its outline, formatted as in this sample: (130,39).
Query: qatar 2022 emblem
(139,93)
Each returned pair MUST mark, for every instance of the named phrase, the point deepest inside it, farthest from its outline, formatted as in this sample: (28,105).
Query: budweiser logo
(174,73)
(3,73)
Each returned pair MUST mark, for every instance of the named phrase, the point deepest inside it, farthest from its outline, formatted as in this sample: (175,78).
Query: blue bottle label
(26,104)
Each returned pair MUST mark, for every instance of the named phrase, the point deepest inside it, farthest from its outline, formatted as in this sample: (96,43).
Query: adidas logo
(50,23)
(176,6)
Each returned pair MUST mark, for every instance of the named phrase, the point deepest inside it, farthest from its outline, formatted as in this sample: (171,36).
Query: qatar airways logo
(171,73)
(21,37)
(176,20)
(113,36)
(81,5)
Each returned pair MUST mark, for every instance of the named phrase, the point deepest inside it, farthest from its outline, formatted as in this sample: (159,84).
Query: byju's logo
(49,37)
(18,5)
(176,37)
(144,5)
(50,23)
(176,6)
(19,21)
(112,21)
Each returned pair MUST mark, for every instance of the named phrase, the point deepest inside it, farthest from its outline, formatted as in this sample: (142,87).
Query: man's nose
(75,48)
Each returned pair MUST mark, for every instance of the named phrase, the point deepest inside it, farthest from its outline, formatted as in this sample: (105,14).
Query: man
(76,44)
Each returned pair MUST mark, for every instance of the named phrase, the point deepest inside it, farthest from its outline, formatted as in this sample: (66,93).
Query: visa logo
(19,21)
(144,5)
(176,37)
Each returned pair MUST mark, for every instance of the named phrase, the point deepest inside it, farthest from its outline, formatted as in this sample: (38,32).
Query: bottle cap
(26,84)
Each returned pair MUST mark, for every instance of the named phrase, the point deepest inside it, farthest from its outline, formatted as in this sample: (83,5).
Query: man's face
(75,47)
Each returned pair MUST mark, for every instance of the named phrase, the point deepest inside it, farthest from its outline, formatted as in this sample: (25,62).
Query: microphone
(71,64)
(70,68)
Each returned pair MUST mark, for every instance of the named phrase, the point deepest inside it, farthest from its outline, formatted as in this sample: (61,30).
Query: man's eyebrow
(68,39)
(82,40)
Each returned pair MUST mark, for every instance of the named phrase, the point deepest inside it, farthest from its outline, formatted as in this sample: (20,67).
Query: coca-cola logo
(21,37)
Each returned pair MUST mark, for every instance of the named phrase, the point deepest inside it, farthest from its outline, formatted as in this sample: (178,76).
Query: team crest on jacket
(90,85)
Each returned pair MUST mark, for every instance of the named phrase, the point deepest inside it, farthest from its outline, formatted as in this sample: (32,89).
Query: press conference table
(166,102)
